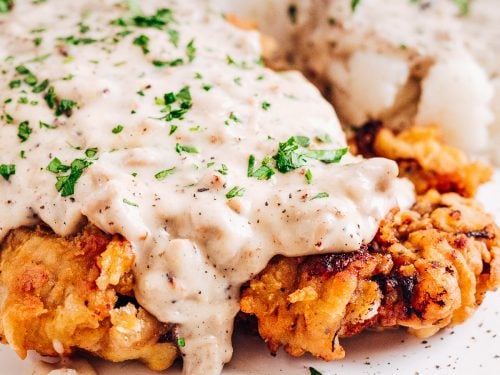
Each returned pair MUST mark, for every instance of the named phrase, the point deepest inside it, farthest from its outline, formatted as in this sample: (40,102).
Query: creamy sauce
(176,187)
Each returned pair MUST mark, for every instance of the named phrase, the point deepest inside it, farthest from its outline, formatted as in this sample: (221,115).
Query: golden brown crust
(427,268)
(424,158)
(61,294)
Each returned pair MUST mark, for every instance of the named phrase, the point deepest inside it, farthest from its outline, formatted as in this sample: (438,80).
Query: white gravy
(194,245)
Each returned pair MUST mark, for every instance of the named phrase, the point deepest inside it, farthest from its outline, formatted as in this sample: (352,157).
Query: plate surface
(471,348)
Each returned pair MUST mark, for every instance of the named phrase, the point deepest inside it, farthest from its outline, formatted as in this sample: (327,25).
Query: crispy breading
(424,158)
(61,294)
(426,269)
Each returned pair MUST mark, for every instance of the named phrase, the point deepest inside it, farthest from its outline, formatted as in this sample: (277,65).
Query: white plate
(471,348)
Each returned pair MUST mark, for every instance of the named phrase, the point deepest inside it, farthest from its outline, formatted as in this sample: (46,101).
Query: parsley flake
(235,192)
(7,170)
(117,129)
(264,172)
(189,149)
(313,371)
(130,203)
(160,176)
(320,195)
(24,131)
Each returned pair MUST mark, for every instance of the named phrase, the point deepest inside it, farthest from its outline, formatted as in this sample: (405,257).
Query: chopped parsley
(66,184)
(42,125)
(117,129)
(290,156)
(235,192)
(160,176)
(223,169)
(7,170)
(143,42)
(355,4)
(206,87)
(308,176)
(6,5)
(182,99)
(181,342)
(130,203)
(15,84)
(264,172)
(191,50)
(265,105)
(463,6)
(162,63)
(24,131)
(41,87)
(320,195)
(232,118)
(173,128)
(189,149)
(313,371)
(173,35)
(62,106)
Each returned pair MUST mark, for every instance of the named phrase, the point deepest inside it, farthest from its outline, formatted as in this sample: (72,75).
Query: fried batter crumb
(424,158)
(427,268)
(60,295)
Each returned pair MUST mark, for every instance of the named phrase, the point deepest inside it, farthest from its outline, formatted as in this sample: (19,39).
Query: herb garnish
(66,184)
(6,5)
(320,195)
(191,50)
(264,172)
(183,101)
(290,156)
(265,105)
(117,129)
(181,342)
(189,149)
(355,4)
(160,176)
(24,131)
(313,371)
(235,192)
(308,176)
(7,170)
(130,203)
(143,42)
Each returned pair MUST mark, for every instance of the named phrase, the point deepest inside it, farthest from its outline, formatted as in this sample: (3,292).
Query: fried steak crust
(427,268)
(423,158)
(59,295)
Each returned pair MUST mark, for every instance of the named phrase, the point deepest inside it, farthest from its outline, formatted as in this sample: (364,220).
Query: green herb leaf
(264,172)
(173,128)
(160,176)
(181,342)
(41,87)
(6,5)
(355,4)
(327,156)
(265,105)
(189,149)
(143,42)
(235,192)
(56,166)
(223,169)
(7,170)
(313,371)
(308,176)
(117,129)
(288,156)
(42,124)
(191,50)
(130,203)
(302,140)
(24,131)
(320,195)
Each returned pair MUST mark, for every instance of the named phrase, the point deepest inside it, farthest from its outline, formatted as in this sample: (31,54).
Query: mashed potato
(403,62)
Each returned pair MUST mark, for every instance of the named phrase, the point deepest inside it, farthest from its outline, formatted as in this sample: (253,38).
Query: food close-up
(249,187)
